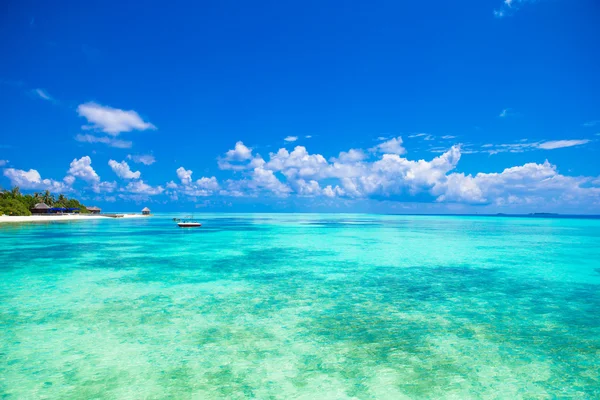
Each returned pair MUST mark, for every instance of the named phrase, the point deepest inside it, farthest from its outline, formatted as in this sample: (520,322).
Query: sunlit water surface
(301,306)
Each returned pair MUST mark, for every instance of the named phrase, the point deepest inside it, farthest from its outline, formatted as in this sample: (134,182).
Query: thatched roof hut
(41,208)
(94,209)
(146,211)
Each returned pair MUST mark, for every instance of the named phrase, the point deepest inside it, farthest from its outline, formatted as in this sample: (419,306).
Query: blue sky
(476,106)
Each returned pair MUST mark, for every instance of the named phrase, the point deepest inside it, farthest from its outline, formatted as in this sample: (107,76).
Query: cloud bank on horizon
(380,172)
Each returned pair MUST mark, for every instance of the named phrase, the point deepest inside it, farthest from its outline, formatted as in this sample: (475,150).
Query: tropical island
(18,207)
(13,202)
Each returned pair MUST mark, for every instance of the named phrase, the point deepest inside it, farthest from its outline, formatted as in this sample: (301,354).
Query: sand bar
(64,217)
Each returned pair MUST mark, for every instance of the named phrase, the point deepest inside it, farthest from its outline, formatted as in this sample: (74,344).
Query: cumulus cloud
(82,169)
(266,179)
(184,175)
(140,187)
(104,187)
(239,158)
(69,180)
(146,159)
(112,142)
(32,180)
(111,120)
(352,155)
(201,187)
(392,146)
(330,191)
(526,184)
(382,174)
(208,183)
(122,170)
(291,138)
(298,163)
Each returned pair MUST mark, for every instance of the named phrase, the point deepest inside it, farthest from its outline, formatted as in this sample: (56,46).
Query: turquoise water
(301,306)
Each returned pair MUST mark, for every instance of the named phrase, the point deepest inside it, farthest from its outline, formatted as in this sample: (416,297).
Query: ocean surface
(307,306)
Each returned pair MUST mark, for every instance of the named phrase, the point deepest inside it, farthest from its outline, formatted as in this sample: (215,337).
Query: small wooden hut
(94,210)
(146,211)
(40,208)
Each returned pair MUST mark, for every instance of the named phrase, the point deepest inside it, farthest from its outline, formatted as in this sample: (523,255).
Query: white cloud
(590,124)
(43,94)
(3,163)
(392,146)
(140,187)
(504,113)
(82,169)
(201,187)
(353,174)
(146,159)
(350,156)
(425,136)
(239,158)
(239,153)
(298,163)
(123,171)
(32,180)
(330,191)
(208,183)
(291,138)
(508,7)
(309,189)
(104,187)
(528,184)
(524,145)
(559,144)
(184,175)
(121,144)
(266,179)
(111,120)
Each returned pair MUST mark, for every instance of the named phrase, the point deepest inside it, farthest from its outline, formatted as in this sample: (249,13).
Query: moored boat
(189,224)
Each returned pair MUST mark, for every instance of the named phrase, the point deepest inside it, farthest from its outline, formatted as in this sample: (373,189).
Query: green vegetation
(12,202)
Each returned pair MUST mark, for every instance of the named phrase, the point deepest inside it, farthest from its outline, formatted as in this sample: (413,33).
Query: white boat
(189,224)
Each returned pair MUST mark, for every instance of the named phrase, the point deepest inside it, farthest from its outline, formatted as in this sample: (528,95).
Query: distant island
(14,203)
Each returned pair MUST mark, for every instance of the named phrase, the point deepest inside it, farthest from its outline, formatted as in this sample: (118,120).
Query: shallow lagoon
(301,306)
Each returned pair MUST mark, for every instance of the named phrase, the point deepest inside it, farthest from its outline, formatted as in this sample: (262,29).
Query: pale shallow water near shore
(301,306)
(60,217)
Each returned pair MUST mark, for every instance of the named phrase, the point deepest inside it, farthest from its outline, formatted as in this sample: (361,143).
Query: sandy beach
(64,217)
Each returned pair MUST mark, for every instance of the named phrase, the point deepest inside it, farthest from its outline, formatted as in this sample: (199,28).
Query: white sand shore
(70,217)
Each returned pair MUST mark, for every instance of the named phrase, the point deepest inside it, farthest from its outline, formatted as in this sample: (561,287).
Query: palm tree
(15,192)
(48,198)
